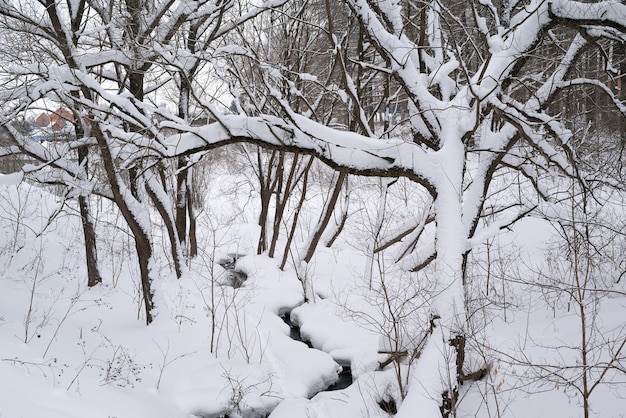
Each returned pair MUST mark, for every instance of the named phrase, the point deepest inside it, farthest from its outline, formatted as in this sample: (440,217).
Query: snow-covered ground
(67,350)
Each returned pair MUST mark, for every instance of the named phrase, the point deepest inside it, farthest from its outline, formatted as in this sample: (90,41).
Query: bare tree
(88,66)
(579,281)
(55,45)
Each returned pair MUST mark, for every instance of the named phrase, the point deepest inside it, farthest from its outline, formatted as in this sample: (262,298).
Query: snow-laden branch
(346,151)
(552,84)
(611,13)
(405,63)
(619,104)
(46,165)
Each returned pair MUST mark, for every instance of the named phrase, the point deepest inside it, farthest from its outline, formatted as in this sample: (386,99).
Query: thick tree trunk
(435,374)
(129,207)
(160,201)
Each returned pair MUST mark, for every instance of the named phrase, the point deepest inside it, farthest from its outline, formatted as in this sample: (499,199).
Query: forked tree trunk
(185,218)
(437,364)
(184,214)
(267,182)
(281,194)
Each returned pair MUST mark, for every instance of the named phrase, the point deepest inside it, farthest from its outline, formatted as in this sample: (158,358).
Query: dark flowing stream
(345,376)
(236,279)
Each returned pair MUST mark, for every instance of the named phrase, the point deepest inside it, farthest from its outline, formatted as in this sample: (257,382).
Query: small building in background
(54,126)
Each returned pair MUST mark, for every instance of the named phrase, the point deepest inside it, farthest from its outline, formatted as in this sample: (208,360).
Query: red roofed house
(55,120)
(54,126)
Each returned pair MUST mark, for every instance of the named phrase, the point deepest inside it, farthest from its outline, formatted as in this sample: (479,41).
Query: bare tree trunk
(140,235)
(193,242)
(160,202)
(325,218)
(91,253)
(296,215)
(344,217)
(184,182)
(144,255)
(283,194)
(181,200)
(89,233)
(267,182)
(93,274)
(185,220)
(266,195)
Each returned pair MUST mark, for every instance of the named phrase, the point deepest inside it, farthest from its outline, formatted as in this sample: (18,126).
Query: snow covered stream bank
(217,346)
(345,375)
(234,277)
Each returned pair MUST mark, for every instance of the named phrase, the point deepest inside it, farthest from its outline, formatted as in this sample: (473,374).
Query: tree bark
(67,47)
(158,200)
(267,182)
(193,242)
(296,215)
(184,182)
(181,201)
(325,218)
(89,232)
(282,197)
(128,209)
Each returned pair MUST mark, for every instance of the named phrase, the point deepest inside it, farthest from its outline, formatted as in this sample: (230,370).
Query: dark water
(345,376)
(235,278)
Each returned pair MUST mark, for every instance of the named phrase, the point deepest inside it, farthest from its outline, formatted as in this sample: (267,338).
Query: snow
(13,178)
(214,349)
(86,352)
